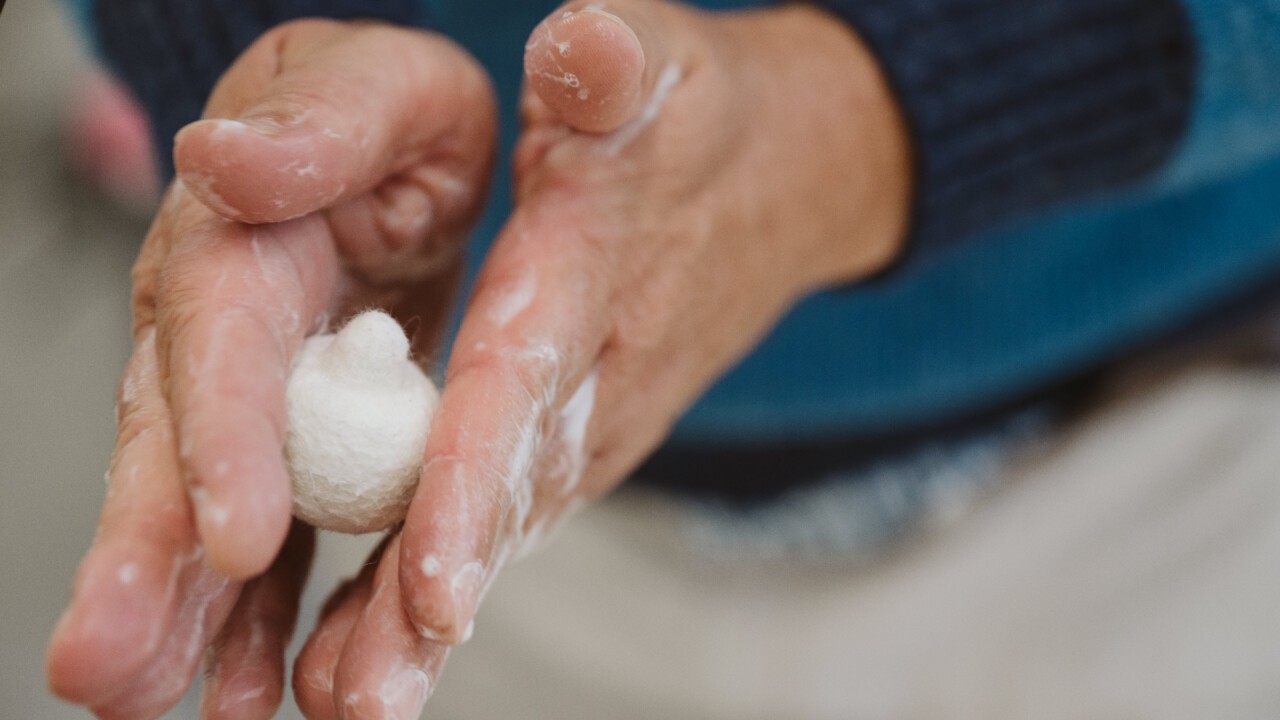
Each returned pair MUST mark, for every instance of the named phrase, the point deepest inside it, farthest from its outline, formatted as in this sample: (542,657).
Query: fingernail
(404,693)
(261,124)
(221,128)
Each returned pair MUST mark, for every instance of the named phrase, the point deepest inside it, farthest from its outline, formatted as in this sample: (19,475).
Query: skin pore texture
(696,176)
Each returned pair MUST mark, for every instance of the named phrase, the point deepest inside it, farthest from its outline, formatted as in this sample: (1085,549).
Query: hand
(368,150)
(683,178)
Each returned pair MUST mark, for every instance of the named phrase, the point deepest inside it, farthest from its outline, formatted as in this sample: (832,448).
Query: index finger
(530,337)
(233,303)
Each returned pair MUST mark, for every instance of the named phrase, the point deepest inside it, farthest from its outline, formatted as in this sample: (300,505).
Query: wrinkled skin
(682,179)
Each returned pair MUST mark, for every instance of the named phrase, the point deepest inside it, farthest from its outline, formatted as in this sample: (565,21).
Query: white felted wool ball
(358,414)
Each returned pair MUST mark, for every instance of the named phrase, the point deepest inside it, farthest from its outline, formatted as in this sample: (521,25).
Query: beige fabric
(1130,570)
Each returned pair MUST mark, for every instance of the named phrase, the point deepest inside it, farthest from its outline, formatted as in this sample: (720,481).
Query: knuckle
(143,282)
(134,424)
(143,301)
(532,370)
(482,360)
(177,301)
(640,329)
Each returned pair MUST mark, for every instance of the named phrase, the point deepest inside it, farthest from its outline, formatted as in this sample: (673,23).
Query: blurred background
(64,259)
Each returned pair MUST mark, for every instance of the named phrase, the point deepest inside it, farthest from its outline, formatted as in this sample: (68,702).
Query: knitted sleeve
(171,53)
(1017,105)
(1235,122)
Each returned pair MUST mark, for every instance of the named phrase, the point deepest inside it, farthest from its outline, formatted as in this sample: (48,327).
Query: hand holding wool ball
(358,414)
(663,218)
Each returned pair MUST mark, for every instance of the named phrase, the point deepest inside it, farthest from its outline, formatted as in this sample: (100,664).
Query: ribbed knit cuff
(171,52)
(1016,105)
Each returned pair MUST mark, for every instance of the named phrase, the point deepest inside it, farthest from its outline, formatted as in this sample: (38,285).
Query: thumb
(596,66)
(317,112)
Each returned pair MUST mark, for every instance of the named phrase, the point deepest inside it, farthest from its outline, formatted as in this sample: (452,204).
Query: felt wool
(358,414)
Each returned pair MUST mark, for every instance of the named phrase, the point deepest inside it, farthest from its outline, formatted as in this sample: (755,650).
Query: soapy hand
(319,182)
(682,179)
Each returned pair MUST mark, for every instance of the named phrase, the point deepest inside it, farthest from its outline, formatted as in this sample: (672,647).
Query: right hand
(339,165)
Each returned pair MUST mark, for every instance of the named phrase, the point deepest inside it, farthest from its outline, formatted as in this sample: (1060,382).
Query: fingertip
(440,599)
(312,680)
(69,664)
(241,555)
(201,158)
(256,169)
(425,596)
(386,669)
(439,581)
(313,700)
(112,625)
(588,67)
(243,538)
(239,488)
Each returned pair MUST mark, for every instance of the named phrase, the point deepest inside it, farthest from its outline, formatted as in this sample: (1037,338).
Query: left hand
(378,140)
(683,178)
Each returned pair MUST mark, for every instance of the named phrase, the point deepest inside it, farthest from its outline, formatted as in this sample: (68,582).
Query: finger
(205,600)
(144,601)
(310,117)
(233,304)
(529,339)
(596,66)
(386,671)
(245,674)
(313,672)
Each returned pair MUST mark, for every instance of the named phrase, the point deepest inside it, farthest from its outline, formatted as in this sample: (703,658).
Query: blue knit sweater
(1092,174)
